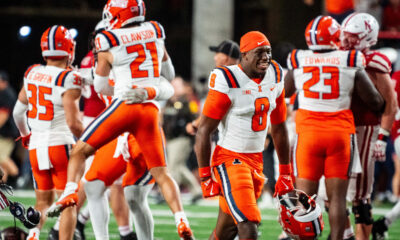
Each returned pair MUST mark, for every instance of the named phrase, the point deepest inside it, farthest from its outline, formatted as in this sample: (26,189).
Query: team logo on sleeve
(236,161)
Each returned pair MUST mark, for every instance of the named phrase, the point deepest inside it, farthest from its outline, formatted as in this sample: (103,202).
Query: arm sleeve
(167,69)
(278,115)
(101,85)
(361,63)
(216,105)
(165,90)
(20,118)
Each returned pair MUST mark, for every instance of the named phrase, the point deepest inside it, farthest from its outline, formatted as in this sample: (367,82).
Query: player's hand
(67,199)
(191,128)
(379,152)
(135,95)
(25,140)
(210,187)
(283,185)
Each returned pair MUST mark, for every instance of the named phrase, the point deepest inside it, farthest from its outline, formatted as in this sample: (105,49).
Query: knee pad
(362,213)
(94,189)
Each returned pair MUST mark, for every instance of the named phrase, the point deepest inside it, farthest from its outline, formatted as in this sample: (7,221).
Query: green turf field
(202,220)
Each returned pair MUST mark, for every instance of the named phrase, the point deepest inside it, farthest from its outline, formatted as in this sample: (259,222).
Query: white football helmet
(362,25)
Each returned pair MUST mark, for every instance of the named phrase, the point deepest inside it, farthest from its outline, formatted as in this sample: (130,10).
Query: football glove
(379,151)
(209,187)
(25,140)
(284,184)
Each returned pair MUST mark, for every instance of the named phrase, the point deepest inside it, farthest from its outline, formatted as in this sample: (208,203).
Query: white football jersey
(325,81)
(244,127)
(44,86)
(137,54)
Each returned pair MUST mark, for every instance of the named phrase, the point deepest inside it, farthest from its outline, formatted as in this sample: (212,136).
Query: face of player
(257,61)
(349,41)
(220,59)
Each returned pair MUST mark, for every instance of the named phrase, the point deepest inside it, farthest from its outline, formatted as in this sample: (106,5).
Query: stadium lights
(73,32)
(24,31)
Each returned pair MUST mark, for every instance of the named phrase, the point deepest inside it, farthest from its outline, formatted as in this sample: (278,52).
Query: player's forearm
(281,142)
(20,119)
(202,148)
(389,114)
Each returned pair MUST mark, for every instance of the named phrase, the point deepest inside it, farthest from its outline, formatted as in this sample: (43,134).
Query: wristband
(151,92)
(205,172)
(383,135)
(285,169)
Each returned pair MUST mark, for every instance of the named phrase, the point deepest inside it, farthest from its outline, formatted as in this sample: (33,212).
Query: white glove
(135,95)
(379,151)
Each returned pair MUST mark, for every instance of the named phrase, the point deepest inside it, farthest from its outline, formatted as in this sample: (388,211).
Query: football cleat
(379,229)
(64,202)
(184,231)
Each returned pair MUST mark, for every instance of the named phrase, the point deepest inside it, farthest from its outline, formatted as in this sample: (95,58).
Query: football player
(325,78)
(241,100)
(48,102)
(134,50)
(360,32)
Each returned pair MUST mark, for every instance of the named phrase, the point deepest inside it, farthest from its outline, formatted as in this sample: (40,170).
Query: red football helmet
(57,42)
(119,13)
(300,216)
(323,32)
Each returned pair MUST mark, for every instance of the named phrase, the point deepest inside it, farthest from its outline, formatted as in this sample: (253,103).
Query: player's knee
(247,230)
(136,195)
(362,213)
(94,189)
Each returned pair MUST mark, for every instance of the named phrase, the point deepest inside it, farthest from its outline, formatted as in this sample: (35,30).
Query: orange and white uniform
(367,128)
(324,122)
(121,155)
(244,107)
(51,138)
(137,54)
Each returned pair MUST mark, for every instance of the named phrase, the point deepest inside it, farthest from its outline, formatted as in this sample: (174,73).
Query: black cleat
(379,229)
(130,236)
(80,227)
(53,234)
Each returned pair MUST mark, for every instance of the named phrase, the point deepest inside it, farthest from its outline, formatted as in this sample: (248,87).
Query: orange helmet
(57,42)
(119,13)
(323,32)
(300,216)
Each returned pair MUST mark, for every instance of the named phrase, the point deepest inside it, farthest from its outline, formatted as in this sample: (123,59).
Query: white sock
(180,216)
(84,215)
(125,230)
(393,214)
(57,224)
(34,232)
(348,232)
(136,196)
(98,208)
